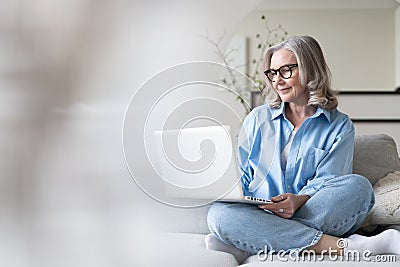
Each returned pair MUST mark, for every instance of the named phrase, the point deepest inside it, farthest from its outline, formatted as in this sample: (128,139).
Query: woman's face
(290,90)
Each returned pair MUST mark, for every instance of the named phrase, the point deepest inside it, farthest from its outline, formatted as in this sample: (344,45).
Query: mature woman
(297,150)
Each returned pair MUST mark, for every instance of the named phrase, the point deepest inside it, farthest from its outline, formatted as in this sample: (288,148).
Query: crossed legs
(338,209)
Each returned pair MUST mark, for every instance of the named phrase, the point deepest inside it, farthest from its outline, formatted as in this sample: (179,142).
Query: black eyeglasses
(285,72)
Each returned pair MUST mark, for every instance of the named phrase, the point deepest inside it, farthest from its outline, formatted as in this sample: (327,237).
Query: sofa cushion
(179,249)
(387,201)
(375,156)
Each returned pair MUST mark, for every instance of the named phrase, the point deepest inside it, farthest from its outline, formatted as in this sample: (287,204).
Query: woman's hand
(285,205)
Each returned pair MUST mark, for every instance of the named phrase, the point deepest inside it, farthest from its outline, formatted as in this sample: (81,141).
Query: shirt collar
(276,112)
(324,112)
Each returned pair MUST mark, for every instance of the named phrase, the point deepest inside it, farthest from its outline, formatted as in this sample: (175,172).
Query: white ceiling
(328,4)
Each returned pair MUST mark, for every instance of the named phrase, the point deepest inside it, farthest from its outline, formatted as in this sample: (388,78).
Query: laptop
(200,164)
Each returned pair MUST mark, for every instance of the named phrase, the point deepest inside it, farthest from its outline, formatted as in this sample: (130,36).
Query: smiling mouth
(284,89)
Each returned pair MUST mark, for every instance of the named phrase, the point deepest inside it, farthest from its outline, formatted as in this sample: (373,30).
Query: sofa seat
(181,249)
(187,249)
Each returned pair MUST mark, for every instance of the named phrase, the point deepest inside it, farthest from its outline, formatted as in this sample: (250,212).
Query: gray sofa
(375,157)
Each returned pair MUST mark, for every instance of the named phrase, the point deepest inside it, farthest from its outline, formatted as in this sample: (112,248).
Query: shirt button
(289,186)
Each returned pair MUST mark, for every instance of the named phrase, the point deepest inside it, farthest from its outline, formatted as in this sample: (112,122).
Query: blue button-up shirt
(322,149)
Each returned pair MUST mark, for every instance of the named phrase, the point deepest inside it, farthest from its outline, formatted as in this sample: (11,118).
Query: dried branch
(272,36)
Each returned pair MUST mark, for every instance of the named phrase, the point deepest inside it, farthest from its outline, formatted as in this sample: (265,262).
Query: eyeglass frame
(290,66)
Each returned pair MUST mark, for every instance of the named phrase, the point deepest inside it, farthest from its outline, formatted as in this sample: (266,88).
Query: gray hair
(314,73)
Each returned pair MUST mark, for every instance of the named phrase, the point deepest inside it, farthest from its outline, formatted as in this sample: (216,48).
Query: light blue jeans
(338,209)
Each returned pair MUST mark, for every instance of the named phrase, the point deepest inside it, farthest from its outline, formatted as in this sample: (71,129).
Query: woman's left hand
(285,205)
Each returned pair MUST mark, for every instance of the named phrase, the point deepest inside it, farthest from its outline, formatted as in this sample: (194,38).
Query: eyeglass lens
(284,71)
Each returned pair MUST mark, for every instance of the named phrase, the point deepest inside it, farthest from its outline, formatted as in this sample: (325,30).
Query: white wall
(385,107)
(397,44)
(355,41)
